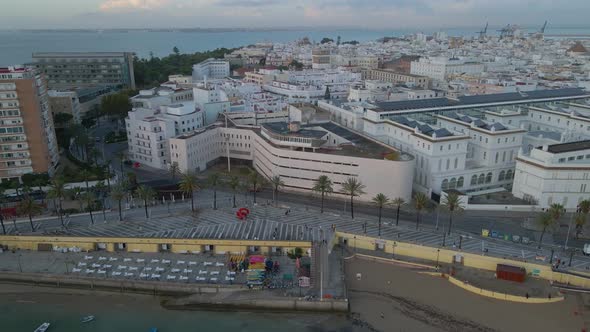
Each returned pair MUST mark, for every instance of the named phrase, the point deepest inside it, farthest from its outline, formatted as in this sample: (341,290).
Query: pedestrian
(527,296)
(549,296)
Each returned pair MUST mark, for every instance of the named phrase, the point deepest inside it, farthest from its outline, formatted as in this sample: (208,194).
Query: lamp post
(393,250)
(569,227)
(437,256)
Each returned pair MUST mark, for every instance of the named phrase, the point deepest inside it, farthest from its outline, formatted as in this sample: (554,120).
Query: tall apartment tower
(27,135)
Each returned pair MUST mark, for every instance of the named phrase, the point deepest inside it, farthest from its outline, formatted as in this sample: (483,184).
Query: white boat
(87,319)
(43,327)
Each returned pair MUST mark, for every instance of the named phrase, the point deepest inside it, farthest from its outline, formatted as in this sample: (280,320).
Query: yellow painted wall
(470,260)
(148,244)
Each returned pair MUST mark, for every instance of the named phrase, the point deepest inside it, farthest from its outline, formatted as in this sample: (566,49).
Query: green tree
(338,40)
(323,186)
(234,184)
(326,40)
(89,200)
(398,202)
(188,185)
(327,93)
(353,187)
(420,203)
(214,180)
(277,184)
(116,106)
(146,194)
(452,203)
(28,206)
(62,119)
(545,220)
(174,170)
(101,191)
(2,199)
(118,193)
(57,191)
(256,182)
(176,51)
(380,200)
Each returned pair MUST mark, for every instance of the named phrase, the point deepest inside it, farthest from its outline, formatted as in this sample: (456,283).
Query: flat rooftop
(467,101)
(569,147)
(282,128)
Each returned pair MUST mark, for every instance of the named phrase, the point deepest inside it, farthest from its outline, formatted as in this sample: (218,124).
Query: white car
(586,250)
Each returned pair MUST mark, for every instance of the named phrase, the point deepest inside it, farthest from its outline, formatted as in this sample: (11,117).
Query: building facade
(386,75)
(65,102)
(78,69)
(27,135)
(210,69)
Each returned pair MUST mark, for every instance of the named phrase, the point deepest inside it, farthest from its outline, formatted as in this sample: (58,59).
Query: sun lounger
(95,265)
(88,257)
(75,270)
(116,274)
(81,264)
(170,277)
(113,259)
(88,271)
(127,259)
(230,273)
(175,270)
(165,261)
(213,279)
(155,261)
(187,271)
(180,262)
(192,263)
(207,263)
(202,271)
(155,276)
(229,278)
(101,272)
(102,258)
(121,267)
(133,268)
(182,278)
(140,260)
(159,269)
(143,275)
(127,274)
(219,264)
(214,273)
(147,268)
(201,278)
(107,266)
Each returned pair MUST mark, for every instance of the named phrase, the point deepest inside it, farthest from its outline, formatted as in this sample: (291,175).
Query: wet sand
(410,301)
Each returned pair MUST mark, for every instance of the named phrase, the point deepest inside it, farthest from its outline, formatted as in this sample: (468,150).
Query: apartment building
(65,102)
(391,76)
(210,69)
(78,69)
(27,135)
(441,68)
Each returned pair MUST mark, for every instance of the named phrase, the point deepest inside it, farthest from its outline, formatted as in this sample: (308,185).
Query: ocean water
(16,47)
(22,312)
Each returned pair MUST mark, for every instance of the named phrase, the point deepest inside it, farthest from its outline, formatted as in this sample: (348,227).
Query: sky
(411,14)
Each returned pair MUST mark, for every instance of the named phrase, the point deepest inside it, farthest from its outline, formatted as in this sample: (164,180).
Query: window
(473,180)
(456,162)
(481,179)
(445,184)
(509,175)
(453,183)
(460,182)
(501,176)
(561,160)
(489,177)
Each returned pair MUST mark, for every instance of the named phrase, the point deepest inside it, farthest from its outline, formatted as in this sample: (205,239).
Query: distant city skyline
(410,14)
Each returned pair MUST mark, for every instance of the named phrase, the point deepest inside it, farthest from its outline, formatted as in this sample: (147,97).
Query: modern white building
(300,154)
(558,173)
(210,69)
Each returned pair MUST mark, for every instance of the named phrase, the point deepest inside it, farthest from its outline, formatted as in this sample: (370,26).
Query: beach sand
(410,301)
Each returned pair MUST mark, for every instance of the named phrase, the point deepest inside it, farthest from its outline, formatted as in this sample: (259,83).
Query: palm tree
(57,191)
(323,185)
(584,208)
(188,185)
(556,210)
(117,194)
(276,183)
(255,181)
(380,200)
(353,187)
(545,219)
(398,201)
(420,203)
(234,184)
(121,156)
(146,194)
(29,207)
(38,182)
(2,197)
(85,175)
(214,180)
(174,170)
(452,203)
(89,199)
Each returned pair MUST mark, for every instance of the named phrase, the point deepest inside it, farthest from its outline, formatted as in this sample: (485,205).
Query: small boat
(87,319)
(43,327)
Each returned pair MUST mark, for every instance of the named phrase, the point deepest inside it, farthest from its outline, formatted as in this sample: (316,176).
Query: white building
(299,155)
(210,69)
(441,68)
(558,173)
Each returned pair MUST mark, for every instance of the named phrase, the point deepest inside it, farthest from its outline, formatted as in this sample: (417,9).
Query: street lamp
(437,257)
(393,249)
